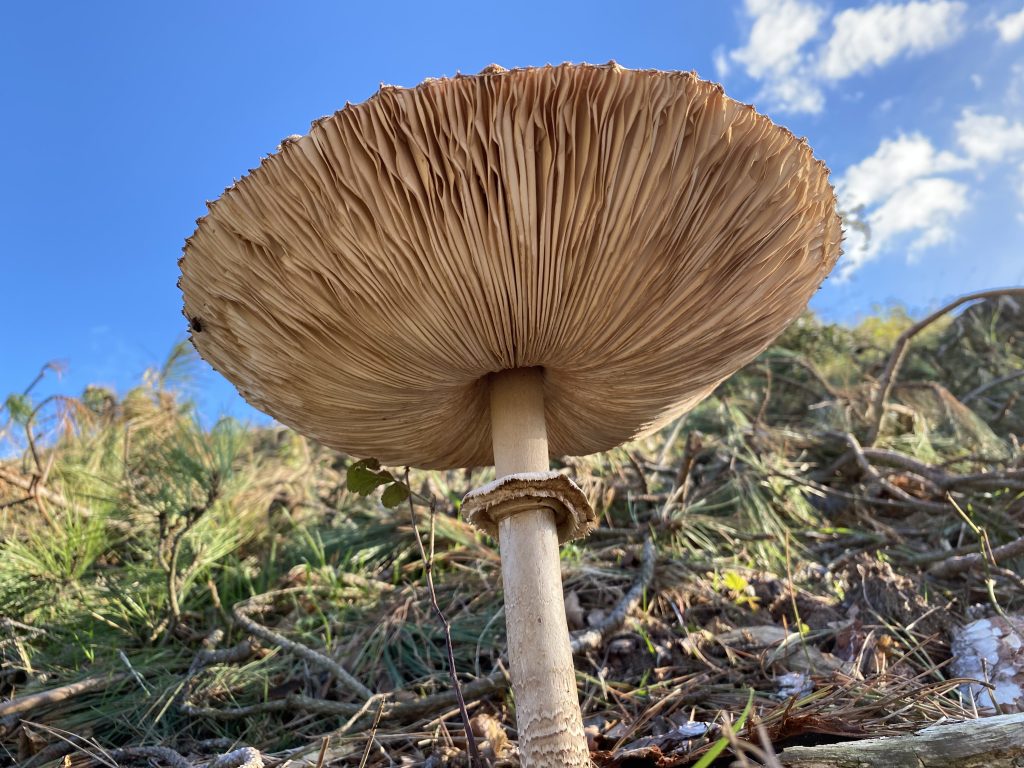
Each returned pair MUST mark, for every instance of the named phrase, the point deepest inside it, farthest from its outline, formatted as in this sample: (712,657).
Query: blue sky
(121,118)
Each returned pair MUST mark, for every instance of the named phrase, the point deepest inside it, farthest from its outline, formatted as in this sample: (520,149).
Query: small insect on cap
(636,235)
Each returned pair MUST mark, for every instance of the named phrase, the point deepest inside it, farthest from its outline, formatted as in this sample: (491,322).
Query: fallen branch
(857,454)
(34,701)
(590,639)
(945,481)
(261,602)
(396,712)
(963,563)
(993,742)
(883,387)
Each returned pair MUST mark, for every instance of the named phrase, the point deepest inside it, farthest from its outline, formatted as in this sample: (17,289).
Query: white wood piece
(992,742)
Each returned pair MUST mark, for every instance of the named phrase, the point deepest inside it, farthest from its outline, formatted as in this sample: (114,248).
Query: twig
(15,502)
(690,450)
(207,657)
(644,489)
(324,743)
(990,385)
(592,638)
(245,757)
(886,381)
(963,563)
(38,492)
(372,736)
(670,441)
(57,695)
(240,612)
(192,516)
(398,712)
(163,754)
(428,567)
(763,410)
(378,698)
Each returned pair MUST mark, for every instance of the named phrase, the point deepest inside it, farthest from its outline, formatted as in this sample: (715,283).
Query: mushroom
(503,267)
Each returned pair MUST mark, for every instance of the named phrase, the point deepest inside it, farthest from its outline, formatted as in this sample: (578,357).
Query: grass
(151,530)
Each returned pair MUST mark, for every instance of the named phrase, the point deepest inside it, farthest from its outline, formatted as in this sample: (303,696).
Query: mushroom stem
(543,679)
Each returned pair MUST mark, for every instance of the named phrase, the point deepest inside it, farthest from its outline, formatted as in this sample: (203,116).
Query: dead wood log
(992,742)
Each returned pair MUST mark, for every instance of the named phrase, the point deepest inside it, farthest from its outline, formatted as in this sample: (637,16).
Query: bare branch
(963,563)
(896,357)
(979,390)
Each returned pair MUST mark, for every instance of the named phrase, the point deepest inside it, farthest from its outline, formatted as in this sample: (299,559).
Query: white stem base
(543,679)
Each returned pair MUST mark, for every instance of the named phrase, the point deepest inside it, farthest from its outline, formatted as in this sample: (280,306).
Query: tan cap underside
(636,234)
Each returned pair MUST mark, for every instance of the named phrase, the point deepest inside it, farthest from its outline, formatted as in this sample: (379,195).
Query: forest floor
(788,565)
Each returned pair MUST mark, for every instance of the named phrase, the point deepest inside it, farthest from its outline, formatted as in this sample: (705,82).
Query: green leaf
(366,475)
(394,495)
(734,581)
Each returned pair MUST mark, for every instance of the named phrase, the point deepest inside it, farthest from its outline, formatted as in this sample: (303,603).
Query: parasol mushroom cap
(637,234)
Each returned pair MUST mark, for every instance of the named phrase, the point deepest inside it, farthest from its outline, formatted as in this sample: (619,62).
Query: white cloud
(903,191)
(925,208)
(794,94)
(721,62)
(781,53)
(989,137)
(774,52)
(1014,95)
(864,38)
(1011,27)
(780,30)
(895,163)
(898,192)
